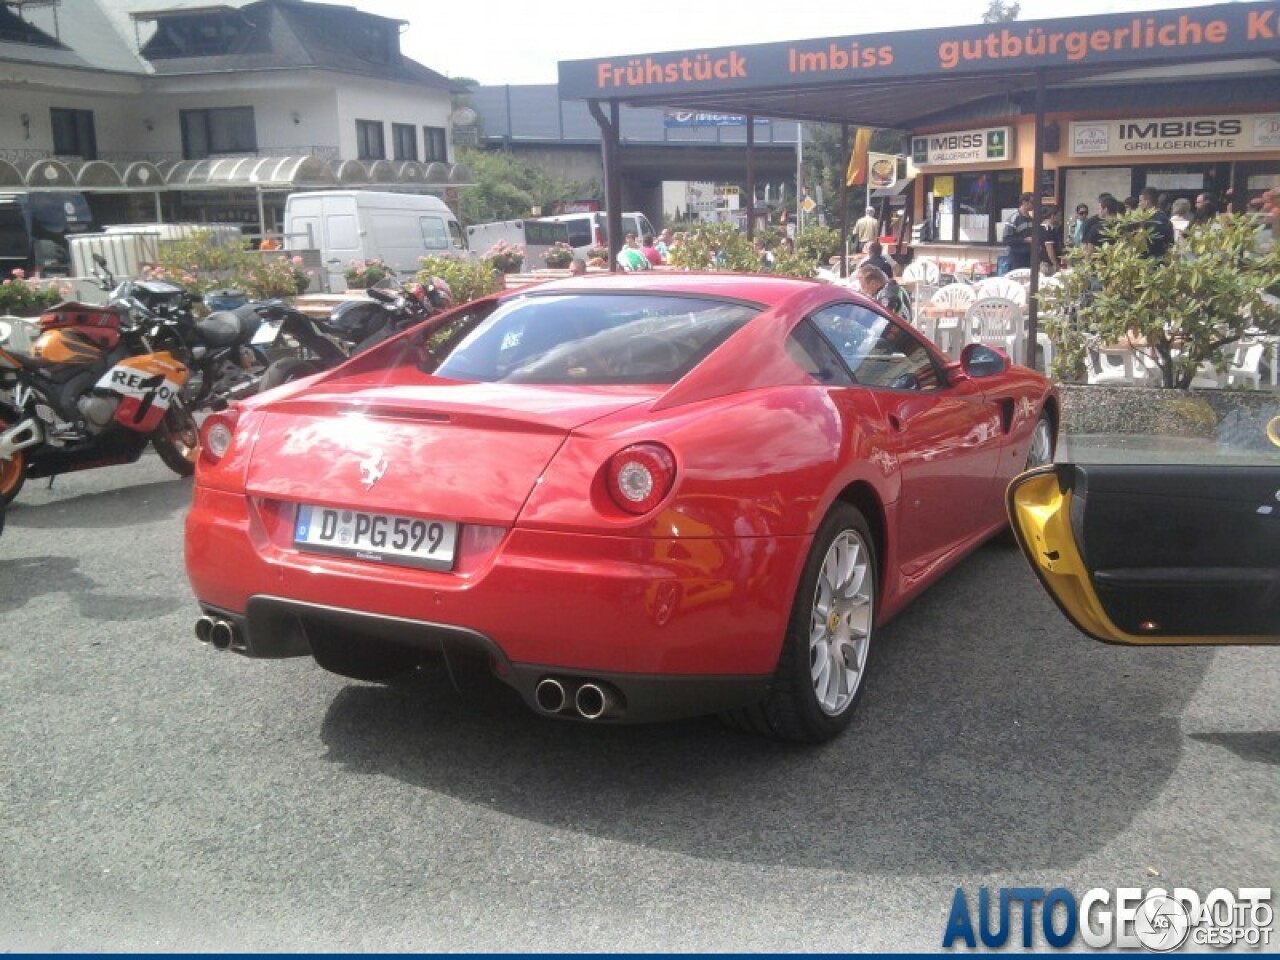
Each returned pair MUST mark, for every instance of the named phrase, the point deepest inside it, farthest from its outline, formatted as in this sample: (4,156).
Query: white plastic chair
(1247,365)
(15,334)
(1004,288)
(954,296)
(995,321)
(922,271)
(1021,275)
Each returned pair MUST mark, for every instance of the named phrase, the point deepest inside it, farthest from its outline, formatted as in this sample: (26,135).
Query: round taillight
(641,476)
(219,432)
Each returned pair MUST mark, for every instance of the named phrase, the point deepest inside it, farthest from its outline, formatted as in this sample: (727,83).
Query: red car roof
(765,289)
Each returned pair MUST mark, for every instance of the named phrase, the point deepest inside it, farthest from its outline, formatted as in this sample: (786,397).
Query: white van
(536,236)
(587,230)
(349,225)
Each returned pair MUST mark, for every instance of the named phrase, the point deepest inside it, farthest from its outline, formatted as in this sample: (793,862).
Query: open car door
(1156,554)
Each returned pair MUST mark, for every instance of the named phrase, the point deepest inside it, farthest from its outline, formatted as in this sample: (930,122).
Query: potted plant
(558,256)
(362,274)
(505,257)
(21,297)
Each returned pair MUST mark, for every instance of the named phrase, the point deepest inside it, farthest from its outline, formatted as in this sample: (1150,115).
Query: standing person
(1051,249)
(1098,234)
(1017,235)
(876,258)
(1180,217)
(866,230)
(1077,224)
(1159,226)
(764,257)
(650,251)
(630,258)
(664,244)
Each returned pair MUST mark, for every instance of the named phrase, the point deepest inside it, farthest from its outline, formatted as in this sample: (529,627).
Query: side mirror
(978,360)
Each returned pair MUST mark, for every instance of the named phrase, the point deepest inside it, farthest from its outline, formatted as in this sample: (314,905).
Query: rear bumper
(572,603)
(273,627)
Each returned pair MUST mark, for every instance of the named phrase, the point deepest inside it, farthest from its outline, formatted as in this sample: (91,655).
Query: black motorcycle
(219,348)
(352,328)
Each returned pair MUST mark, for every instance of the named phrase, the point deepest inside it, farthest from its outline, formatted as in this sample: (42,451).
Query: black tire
(792,711)
(177,440)
(284,371)
(359,656)
(13,472)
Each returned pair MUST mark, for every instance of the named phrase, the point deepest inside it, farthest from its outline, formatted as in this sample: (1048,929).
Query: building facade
(107,84)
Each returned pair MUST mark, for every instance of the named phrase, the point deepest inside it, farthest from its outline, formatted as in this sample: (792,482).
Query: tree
(825,165)
(507,187)
(1002,11)
(1178,312)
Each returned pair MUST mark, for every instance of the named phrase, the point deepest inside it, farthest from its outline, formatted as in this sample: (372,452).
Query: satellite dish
(463,117)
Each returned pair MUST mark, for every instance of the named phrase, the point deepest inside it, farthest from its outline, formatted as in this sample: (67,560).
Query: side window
(456,237)
(878,351)
(814,356)
(434,234)
(579,232)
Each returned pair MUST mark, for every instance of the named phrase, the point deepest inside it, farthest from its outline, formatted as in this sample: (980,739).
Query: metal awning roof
(229,173)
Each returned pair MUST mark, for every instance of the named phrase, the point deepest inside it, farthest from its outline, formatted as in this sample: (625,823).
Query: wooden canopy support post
(1037,233)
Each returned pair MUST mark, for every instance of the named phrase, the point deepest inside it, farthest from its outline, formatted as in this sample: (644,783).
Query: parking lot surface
(157,795)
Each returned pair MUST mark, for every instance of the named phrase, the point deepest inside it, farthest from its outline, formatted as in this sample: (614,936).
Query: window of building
(218,130)
(73,133)
(437,146)
(13,29)
(370,144)
(404,140)
(202,35)
(373,42)
(970,207)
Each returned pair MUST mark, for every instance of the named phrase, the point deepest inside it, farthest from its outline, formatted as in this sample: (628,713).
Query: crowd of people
(646,252)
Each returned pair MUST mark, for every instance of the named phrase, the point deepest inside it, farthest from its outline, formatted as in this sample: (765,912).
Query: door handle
(895,422)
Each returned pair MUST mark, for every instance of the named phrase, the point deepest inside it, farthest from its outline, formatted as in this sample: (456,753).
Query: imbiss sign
(1160,136)
(989,145)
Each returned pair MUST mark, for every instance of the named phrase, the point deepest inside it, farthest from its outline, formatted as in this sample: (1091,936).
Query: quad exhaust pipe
(589,699)
(218,633)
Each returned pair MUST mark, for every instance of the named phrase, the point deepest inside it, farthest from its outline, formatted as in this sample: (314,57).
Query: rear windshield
(593,339)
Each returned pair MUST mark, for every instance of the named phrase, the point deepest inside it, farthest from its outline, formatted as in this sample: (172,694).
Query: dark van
(34,229)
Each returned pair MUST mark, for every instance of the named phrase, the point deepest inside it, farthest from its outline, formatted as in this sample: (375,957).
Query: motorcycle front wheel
(13,472)
(177,440)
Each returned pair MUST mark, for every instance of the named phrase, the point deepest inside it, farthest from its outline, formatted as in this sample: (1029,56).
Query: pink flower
(19,272)
(297,261)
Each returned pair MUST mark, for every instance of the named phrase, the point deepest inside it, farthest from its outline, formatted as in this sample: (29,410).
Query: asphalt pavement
(157,795)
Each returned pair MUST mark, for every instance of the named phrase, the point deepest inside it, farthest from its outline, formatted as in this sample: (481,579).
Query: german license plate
(377,537)
(266,333)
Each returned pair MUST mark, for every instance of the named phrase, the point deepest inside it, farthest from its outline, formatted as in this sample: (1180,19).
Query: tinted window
(580,232)
(879,352)
(593,339)
(13,232)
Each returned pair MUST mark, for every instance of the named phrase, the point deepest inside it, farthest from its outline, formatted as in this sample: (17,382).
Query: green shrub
(467,279)
(1184,309)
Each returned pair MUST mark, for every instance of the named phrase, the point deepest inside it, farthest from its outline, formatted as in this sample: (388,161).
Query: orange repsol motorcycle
(102,382)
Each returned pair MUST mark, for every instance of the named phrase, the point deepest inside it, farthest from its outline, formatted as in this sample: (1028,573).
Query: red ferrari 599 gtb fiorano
(639,497)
